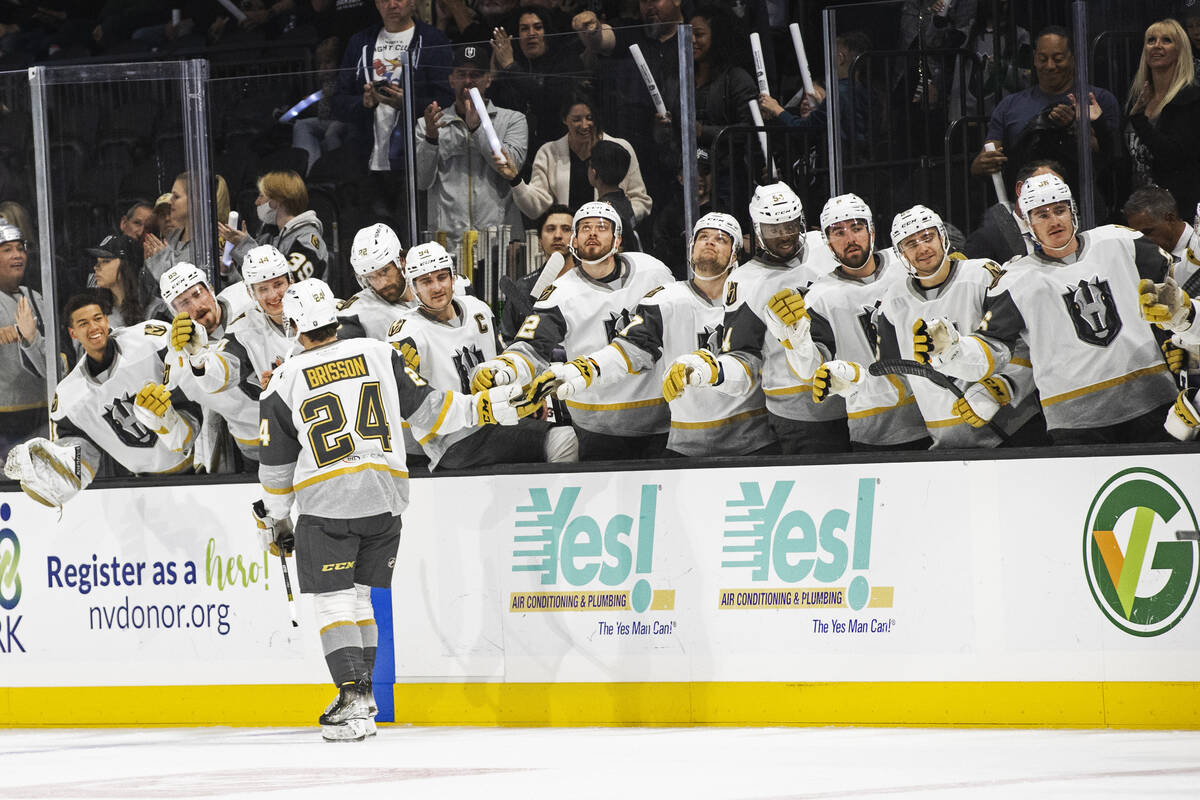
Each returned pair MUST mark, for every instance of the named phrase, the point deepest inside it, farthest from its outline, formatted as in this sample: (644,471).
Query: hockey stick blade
(904,366)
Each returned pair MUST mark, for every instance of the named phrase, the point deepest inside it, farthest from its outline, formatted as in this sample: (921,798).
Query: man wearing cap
(369,93)
(455,162)
(133,226)
(118,260)
(22,346)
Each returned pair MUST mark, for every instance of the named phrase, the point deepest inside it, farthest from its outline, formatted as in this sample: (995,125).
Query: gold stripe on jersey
(870,412)
(693,426)
(1095,387)
(786,390)
(333,371)
(616,406)
(324,476)
(180,467)
(225,382)
(438,422)
(628,364)
(1021,362)
(248,442)
(28,407)
(944,423)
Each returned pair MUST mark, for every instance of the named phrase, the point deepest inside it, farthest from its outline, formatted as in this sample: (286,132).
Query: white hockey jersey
(883,411)
(97,411)
(960,298)
(1096,362)
(581,315)
(229,382)
(670,322)
(749,346)
(448,353)
(368,314)
(330,429)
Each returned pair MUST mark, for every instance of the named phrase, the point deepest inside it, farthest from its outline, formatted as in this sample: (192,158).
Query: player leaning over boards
(1074,301)
(672,321)
(378,262)
(941,284)
(112,402)
(443,340)
(831,335)
(783,267)
(330,447)
(580,313)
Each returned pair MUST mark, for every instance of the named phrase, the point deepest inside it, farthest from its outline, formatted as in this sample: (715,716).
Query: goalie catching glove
(275,535)
(1165,304)
(699,368)
(152,407)
(187,336)
(836,377)
(49,473)
(982,400)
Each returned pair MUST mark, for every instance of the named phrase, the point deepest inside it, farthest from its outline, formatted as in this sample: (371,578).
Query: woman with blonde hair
(1164,115)
(287,223)
(176,246)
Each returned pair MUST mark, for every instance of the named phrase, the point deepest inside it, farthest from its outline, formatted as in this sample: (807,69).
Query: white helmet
(596,208)
(264,263)
(426,258)
(374,248)
(845,207)
(9,232)
(774,204)
(178,279)
(725,223)
(914,220)
(310,305)
(1042,190)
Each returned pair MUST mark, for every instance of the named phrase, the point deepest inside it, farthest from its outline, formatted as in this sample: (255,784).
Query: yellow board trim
(616,406)
(1108,384)
(694,426)
(1060,704)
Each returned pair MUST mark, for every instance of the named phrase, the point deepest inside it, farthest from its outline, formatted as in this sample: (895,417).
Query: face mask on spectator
(266,214)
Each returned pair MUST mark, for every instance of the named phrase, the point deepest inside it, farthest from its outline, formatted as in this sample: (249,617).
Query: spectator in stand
(853,98)
(607,167)
(723,93)
(671,236)
(15,214)
(133,227)
(559,174)
(538,75)
(1040,122)
(1164,115)
(369,97)
(1153,211)
(1003,234)
(464,24)
(287,223)
(167,251)
(117,279)
(554,234)
(22,356)
(161,226)
(1189,16)
(455,163)
(1003,72)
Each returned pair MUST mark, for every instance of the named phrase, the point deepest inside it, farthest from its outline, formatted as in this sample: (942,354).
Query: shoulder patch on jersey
(995,270)
(316,242)
(731,293)
(395,327)
(654,291)
(154,329)
(546,294)
(957,256)
(238,317)
(342,305)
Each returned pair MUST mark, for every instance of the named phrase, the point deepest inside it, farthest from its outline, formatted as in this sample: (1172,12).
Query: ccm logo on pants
(337,566)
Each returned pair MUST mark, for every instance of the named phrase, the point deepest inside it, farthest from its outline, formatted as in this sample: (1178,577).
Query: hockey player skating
(831,337)
(443,340)
(113,402)
(941,285)
(228,376)
(330,448)
(580,313)
(1097,365)
(671,322)
(378,262)
(751,340)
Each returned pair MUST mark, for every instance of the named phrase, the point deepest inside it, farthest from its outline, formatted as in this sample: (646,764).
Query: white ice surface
(621,763)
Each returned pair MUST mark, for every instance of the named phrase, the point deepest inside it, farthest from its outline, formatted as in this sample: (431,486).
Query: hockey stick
(904,366)
(287,584)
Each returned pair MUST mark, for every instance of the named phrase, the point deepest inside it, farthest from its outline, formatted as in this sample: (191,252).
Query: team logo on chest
(616,322)
(120,417)
(465,361)
(711,338)
(866,321)
(1093,312)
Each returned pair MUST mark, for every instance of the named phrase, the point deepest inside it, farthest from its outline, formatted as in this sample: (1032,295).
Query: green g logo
(1142,577)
